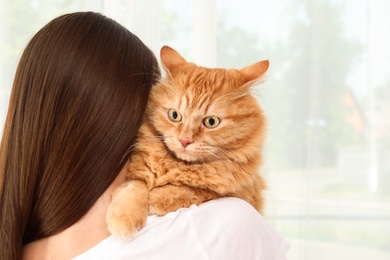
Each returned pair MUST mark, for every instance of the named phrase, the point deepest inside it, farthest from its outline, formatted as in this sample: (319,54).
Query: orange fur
(183,163)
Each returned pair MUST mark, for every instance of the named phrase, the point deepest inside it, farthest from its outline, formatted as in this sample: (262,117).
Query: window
(327,98)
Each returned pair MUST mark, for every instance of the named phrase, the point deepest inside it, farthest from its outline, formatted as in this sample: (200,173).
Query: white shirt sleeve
(222,229)
(233,229)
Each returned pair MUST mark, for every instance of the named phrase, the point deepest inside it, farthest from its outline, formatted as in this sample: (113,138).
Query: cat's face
(204,114)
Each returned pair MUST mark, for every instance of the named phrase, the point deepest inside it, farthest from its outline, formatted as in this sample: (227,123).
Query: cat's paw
(127,212)
(124,224)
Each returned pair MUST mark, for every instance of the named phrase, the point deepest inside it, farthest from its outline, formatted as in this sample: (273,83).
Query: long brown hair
(77,101)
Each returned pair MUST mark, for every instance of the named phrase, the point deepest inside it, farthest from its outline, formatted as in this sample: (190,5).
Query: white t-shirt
(226,228)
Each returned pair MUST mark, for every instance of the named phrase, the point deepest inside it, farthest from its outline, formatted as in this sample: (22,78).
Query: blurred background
(327,99)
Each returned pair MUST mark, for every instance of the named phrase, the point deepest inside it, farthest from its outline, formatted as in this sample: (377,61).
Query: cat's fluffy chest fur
(201,140)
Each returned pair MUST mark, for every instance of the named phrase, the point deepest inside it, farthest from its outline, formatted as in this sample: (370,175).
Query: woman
(77,101)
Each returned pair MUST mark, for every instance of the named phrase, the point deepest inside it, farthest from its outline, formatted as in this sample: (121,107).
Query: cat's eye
(174,115)
(211,121)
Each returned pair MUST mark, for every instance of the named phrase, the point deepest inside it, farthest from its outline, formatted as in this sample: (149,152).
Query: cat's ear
(254,72)
(171,58)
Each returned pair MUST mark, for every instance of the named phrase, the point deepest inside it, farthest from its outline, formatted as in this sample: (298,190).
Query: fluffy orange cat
(201,139)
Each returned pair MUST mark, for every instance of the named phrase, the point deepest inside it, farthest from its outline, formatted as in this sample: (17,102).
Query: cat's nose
(185,142)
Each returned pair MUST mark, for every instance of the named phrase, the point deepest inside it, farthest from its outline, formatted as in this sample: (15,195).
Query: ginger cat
(201,139)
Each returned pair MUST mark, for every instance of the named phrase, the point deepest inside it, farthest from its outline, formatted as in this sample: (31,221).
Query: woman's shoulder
(231,227)
(230,207)
(226,228)
(231,214)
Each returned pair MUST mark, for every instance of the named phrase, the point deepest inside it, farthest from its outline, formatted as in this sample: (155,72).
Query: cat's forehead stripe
(184,101)
(200,85)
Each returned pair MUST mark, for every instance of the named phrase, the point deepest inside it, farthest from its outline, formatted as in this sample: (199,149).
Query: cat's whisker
(167,153)
(213,156)
(229,155)
(128,151)
(148,139)
(242,164)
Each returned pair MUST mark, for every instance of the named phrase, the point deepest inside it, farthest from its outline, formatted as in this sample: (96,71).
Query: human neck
(81,236)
